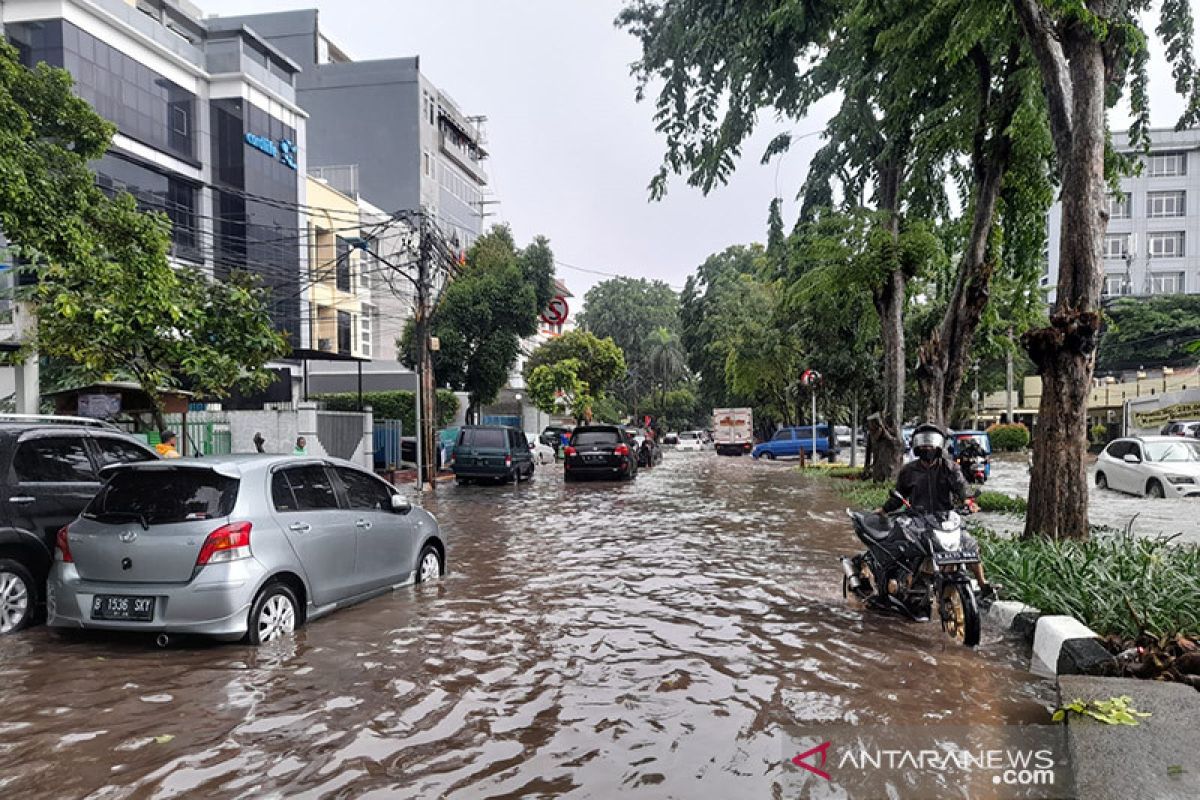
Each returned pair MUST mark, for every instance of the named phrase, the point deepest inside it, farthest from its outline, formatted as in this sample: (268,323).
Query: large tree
(1086,53)
(602,364)
(1149,330)
(628,310)
(107,299)
(489,307)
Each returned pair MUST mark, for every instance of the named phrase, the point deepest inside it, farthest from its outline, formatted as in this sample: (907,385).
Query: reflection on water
(654,637)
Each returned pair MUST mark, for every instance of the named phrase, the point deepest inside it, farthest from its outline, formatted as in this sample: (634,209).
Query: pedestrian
(259,442)
(166,445)
(301,448)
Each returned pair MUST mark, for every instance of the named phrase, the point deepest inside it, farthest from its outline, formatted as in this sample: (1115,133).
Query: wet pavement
(651,638)
(1143,515)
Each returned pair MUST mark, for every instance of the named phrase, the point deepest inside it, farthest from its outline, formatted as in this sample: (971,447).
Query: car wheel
(429,565)
(273,614)
(1155,489)
(1101,480)
(17,596)
(769,456)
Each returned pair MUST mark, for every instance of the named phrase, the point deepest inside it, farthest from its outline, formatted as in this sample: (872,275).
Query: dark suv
(492,452)
(601,451)
(49,470)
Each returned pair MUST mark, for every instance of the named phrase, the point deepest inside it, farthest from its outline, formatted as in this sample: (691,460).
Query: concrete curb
(1060,645)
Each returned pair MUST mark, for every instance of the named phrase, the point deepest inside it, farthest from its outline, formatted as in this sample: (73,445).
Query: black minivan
(492,453)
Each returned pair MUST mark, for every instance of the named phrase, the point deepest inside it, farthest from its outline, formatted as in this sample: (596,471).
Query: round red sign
(556,312)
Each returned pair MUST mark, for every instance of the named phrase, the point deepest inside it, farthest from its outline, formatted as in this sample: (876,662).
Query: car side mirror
(1130,458)
(401,504)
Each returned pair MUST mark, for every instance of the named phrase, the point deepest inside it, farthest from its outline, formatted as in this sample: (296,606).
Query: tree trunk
(889,303)
(1074,70)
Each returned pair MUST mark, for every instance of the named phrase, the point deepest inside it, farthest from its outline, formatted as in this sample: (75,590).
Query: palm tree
(665,360)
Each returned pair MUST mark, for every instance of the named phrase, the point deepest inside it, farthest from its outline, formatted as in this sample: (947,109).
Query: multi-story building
(338,317)
(208,128)
(415,148)
(1152,245)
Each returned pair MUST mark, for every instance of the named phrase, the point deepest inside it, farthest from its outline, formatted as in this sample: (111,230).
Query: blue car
(789,442)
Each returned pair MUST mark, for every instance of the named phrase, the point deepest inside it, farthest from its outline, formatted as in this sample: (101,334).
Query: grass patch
(1001,503)
(869,494)
(1117,584)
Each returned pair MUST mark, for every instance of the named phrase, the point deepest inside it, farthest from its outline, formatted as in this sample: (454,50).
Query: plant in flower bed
(1141,595)
(871,494)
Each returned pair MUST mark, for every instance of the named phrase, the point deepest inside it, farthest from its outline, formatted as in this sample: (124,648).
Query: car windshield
(164,496)
(595,437)
(482,437)
(1173,451)
(689,436)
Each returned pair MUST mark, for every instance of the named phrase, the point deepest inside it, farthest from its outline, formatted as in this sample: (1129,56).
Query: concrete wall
(280,430)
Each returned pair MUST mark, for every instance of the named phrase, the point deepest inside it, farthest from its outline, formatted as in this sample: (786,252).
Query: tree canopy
(1149,330)
(601,362)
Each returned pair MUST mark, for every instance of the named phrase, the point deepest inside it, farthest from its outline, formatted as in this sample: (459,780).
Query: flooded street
(591,639)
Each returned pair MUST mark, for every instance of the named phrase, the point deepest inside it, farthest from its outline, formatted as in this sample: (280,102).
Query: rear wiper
(138,515)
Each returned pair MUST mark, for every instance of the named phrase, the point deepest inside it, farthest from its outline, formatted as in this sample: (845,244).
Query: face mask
(928,456)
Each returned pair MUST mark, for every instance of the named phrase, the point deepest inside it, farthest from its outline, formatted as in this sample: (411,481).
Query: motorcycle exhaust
(163,640)
(851,576)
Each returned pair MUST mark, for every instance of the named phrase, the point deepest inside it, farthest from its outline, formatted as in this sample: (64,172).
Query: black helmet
(928,442)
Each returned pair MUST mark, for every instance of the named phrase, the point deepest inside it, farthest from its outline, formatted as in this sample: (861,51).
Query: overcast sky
(571,151)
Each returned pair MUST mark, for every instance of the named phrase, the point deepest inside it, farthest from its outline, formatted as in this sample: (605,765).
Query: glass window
(119,451)
(1166,204)
(345,332)
(1182,451)
(365,491)
(1166,283)
(53,459)
(1116,245)
(343,270)
(489,438)
(1114,285)
(311,488)
(595,437)
(1118,206)
(783,436)
(281,493)
(164,496)
(1166,245)
(1167,164)
(1118,450)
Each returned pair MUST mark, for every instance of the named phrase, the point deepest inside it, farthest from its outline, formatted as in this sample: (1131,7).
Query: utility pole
(427,473)
(1008,378)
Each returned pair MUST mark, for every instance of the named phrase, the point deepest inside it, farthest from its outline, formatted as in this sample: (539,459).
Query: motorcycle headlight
(1177,479)
(949,540)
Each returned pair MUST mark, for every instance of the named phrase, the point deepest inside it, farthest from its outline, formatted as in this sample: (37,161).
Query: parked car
(600,451)
(670,440)
(690,442)
(492,453)
(239,547)
(1156,466)
(789,442)
(1182,428)
(843,435)
(49,470)
(542,453)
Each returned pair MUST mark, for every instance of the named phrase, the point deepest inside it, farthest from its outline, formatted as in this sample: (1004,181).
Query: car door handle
(300,527)
(362,523)
(21,500)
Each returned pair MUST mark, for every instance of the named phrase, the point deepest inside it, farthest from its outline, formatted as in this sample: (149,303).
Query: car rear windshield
(482,438)
(164,496)
(604,436)
(689,436)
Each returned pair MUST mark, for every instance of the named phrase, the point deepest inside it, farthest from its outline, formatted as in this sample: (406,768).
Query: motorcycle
(915,562)
(974,467)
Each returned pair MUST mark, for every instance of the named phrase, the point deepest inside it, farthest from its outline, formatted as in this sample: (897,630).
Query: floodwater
(1179,517)
(652,638)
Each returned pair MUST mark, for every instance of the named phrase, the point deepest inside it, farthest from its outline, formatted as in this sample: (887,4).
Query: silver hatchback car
(236,547)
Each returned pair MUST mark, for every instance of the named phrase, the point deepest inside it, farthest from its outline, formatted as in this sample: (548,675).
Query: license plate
(957,557)
(594,458)
(122,608)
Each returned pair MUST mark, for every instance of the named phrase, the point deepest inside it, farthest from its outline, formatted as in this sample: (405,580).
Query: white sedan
(690,442)
(542,452)
(1156,466)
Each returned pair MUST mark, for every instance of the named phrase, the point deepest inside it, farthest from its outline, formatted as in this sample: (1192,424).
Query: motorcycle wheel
(960,614)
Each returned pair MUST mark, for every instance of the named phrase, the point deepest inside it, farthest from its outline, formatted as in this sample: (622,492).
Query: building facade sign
(285,149)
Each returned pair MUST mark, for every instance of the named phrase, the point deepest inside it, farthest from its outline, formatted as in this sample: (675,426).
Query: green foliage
(871,494)
(606,408)
(557,388)
(1099,433)
(399,405)
(666,362)
(1149,330)
(1113,711)
(485,312)
(628,310)
(107,299)
(1115,583)
(1009,437)
(678,410)
(602,364)
(1001,503)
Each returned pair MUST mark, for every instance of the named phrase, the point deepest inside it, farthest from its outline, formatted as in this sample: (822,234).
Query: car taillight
(621,450)
(62,548)
(569,451)
(227,543)
(508,461)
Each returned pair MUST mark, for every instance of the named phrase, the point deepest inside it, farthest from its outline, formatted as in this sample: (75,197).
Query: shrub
(1099,433)
(1009,437)
(1116,584)
(1002,503)
(399,405)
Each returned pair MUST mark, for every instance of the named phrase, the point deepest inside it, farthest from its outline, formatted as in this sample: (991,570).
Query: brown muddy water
(652,638)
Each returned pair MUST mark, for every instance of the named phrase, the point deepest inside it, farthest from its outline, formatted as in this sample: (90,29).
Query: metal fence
(205,433)
(340,432)
(389,436)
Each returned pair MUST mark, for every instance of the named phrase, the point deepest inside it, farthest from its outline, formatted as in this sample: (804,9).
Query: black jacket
(939,487)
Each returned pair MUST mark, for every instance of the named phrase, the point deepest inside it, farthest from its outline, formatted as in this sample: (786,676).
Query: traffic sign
(556,312)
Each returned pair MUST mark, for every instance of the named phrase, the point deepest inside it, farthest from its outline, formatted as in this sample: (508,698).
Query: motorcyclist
(932,483)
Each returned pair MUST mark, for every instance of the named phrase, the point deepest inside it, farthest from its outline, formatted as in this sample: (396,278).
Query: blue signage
(285,149)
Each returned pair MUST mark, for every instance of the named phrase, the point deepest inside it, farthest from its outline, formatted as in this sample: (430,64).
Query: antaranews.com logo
(1015,761)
